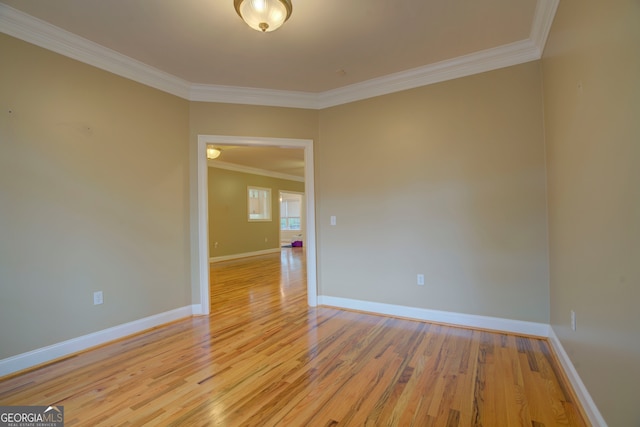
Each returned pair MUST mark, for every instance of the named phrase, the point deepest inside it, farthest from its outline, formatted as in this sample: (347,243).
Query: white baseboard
(197,310)
(244,255)
(55,351)
(590,408)
(459,319)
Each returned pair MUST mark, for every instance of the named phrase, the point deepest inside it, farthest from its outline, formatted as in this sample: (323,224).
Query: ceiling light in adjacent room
(264,15)
(212,153)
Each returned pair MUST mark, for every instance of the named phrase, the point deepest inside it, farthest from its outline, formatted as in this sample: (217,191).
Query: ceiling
(279,162)
(329,52)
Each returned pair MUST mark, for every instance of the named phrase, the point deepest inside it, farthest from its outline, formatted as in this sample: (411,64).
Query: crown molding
(45,35)
(254,171)
(40,33)
(542,20)
(253,96)
(479,62)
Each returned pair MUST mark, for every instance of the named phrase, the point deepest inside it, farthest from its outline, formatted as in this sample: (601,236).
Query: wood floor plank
(264,358)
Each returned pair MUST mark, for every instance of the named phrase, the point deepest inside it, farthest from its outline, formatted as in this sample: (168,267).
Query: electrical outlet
(573,320)
(97,298)
(420,279)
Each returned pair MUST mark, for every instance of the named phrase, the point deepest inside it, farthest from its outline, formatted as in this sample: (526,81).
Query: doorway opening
(203,232)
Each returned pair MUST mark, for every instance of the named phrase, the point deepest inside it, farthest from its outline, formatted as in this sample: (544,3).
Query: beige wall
(228,224)
(591,70)
(93,196)
(466,160)
(446,180)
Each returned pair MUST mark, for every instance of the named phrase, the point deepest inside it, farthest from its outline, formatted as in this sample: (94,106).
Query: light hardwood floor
(263,358)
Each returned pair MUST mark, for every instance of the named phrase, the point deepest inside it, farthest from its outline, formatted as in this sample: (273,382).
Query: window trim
(264,216)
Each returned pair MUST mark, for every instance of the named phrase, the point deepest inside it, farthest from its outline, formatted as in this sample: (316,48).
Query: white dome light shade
(212,152)
(264,15)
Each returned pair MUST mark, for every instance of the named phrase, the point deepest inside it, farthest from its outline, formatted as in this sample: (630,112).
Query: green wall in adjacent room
(228,223)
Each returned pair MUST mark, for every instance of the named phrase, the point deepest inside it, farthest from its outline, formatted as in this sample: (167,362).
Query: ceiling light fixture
(213,153)
(263,15)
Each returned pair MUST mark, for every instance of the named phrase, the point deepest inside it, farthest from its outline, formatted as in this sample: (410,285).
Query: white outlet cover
(97,298)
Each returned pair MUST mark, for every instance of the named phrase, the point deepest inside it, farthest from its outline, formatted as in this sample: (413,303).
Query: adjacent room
(288,212)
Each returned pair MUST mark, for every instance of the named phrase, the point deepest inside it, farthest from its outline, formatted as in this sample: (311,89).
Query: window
(290,214)
(259,203)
